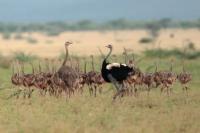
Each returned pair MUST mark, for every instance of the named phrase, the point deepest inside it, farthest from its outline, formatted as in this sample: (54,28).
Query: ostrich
(135,80)
(17,80)
(67,73)
(89,77)
(115,73)
(28,80)
(165,79)
(92,78)
(184,78)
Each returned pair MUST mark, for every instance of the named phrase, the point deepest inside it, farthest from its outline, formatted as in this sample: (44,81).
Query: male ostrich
(115,73)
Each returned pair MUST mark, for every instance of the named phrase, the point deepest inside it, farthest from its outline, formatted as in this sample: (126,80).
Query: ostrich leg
(117,85)
(14,94)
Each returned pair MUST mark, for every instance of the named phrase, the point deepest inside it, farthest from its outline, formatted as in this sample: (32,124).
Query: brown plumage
(67,73)
(184,78)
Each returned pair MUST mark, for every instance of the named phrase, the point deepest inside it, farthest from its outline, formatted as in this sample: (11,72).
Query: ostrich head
(109,46)
(67,43)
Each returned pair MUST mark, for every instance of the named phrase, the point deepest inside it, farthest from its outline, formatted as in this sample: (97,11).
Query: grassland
(87,42)
(157,113)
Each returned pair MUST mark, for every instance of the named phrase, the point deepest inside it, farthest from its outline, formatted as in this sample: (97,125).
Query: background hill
(73,10)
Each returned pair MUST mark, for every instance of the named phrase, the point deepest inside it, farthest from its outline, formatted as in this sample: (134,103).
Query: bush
(146,40)
(6,36)
(193,55)
(18,37)
(31,40)
(53,33)
(24,57)
(175,52)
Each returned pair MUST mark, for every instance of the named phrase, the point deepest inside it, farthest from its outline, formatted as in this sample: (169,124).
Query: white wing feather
(110,66)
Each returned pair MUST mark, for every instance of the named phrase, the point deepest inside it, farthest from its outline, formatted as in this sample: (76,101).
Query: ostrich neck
(33,71)
(85,67)
(22,69)
(66,56)
(171,68)
(13,70)
(108,55)
(92,63)
(156,69)
(125,58)
(40,68)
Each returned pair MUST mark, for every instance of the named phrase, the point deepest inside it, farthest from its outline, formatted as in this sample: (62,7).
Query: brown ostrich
(165,79)
(17,80)
(28,81)
(184,78)
(134,81)
(148,81)
(93,78)
(67,73)
(89,78)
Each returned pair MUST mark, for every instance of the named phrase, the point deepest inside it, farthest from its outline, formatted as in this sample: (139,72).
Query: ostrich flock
(68,80)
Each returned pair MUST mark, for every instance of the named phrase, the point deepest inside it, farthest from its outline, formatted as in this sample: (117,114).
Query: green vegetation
(24,57)
(172,53)
(55,28)
(6,35)
(146,40)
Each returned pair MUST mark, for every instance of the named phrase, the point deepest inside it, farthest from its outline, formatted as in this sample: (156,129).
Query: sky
(96,10)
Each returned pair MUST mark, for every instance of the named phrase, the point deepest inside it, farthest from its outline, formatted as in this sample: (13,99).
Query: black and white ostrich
(115,73)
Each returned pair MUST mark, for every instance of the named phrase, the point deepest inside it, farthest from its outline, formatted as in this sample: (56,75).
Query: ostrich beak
(68,43)
(108,46)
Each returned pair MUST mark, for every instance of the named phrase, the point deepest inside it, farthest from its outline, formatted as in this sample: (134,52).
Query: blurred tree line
(54,28)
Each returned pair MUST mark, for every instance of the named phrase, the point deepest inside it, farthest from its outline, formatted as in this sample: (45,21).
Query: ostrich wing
(121,73)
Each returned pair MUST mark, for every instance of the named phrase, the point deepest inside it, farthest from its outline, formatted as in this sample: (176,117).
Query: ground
(178,113)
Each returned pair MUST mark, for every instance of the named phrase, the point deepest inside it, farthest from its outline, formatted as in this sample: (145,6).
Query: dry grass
(87,42)
(158,113)
(85,114)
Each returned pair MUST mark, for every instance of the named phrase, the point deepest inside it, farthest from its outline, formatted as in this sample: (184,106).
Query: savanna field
(153,113)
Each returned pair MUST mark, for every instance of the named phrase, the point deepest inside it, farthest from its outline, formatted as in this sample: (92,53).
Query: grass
(5,62)
(157,113)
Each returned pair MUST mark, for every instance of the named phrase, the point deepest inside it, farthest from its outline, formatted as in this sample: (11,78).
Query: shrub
(146,40)
(31,40)
(18,37)
(174,52)
(24,57)
(6,36)
(53,33)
